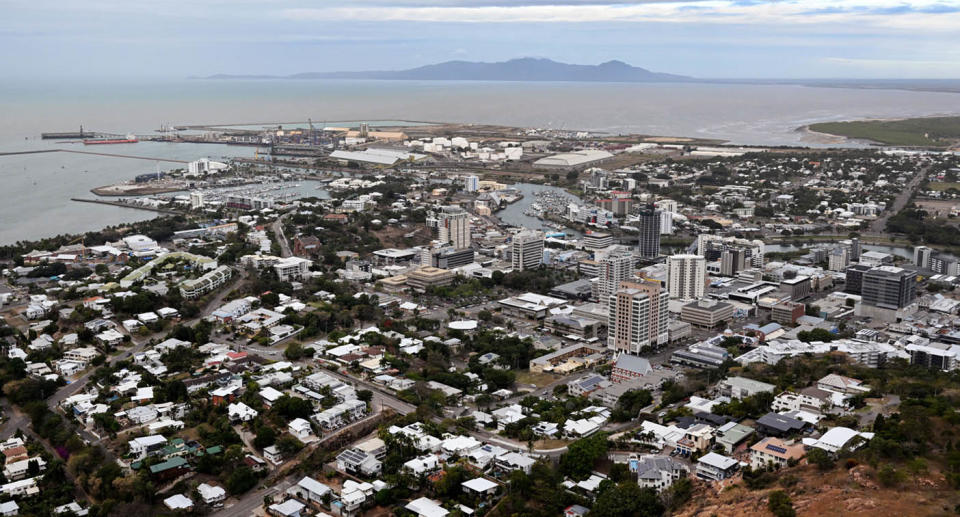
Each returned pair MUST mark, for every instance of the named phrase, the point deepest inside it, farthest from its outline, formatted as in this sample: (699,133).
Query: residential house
(482,487)
(813,400)
(288,508)
(696,438)
(773,424)
(144,446)
(357,461)
(300,428)
(512,461)
(272,454)
(716,467)
(732,435)
(211,494)
(741,387)
(774,451)
(311,490)
(240,412)
(19,469)
(424,507)
(659,472)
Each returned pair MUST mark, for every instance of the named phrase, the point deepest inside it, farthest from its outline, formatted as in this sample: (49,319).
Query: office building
(450,258)
(428,276)
(854,248)
(732,261)
(854,281)
(706,313)
(921,256)
(787,313)
(453,226)
(940,263)
(638,317)
(648,224)
(686,276)
(597,240)
(889,287)
(712,247)
(612,269)
(799,287)
(526,250)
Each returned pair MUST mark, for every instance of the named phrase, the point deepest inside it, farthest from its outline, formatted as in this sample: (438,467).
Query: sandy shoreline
(132,190)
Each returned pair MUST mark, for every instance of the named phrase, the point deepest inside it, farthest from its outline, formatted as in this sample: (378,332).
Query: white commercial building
(527,250)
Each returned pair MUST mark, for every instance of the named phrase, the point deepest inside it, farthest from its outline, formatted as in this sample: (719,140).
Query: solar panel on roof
(777,449)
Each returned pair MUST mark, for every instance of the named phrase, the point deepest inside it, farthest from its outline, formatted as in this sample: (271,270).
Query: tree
(780,505)
(627,499)
(365,395)
(889,476)
(820,458)
(240,480)
(582,454)
(266,437)
(620,472)
(288,445)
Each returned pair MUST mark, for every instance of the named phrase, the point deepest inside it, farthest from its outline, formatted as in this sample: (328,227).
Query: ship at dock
(129,139)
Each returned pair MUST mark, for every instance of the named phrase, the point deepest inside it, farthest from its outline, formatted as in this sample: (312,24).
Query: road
(879,224)
(277,227)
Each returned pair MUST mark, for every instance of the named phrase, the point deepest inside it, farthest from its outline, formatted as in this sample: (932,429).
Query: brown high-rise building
(638,316)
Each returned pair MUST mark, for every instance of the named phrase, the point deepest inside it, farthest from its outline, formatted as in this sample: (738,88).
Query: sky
(791,39)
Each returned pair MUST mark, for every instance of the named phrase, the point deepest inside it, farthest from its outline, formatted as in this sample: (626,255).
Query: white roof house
(836,438)
(242,412)
(211,494)
(270,395)
(9,508)
(480,485)
(288,508)
(300,428)
(178,502)
(424,507)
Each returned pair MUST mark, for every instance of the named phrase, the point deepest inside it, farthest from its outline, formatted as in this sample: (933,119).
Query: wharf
(127,205)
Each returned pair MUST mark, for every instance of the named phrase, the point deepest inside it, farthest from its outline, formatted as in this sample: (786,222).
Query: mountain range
(522,69)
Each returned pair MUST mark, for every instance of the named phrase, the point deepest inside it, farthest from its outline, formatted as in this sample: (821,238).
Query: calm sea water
(35,200)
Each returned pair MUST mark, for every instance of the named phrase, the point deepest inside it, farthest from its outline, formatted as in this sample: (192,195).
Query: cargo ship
(130,139)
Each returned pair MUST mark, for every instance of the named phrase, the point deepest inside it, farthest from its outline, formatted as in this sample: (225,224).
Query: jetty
(122,204)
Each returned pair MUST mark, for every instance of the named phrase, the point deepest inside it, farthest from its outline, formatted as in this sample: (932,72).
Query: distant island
(933,132)
(522,69)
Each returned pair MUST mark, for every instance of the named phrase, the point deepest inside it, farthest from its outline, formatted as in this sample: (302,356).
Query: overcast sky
(705,38)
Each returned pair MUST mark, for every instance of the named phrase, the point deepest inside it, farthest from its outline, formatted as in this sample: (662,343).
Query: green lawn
(537,379)
(943,186)
(923,132)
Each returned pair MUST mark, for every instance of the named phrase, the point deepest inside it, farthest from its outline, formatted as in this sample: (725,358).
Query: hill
(853,492)
(523,69)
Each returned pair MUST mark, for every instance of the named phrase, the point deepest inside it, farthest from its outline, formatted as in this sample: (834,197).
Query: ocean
(37,188)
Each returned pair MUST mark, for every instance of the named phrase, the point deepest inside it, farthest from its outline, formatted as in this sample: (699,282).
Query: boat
(130,139)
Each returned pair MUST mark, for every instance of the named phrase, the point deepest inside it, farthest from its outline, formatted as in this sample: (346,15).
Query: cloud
(937,15)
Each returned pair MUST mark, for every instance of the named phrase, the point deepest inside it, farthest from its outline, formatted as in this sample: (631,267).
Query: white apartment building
(292,268)
(686,276)
(453,226)
(613,268)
